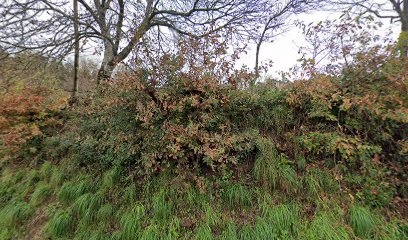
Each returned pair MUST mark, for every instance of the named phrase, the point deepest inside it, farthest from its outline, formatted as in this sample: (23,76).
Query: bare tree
(118,25)
(395,10)
(76,57)
(273,20)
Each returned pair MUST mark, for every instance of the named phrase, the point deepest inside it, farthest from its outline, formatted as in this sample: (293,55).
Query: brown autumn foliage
(29,97)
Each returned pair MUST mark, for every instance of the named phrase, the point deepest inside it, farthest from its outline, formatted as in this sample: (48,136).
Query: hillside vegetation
(190,150)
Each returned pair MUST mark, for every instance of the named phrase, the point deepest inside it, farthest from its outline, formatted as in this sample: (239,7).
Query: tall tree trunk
(76,57)
(403,38)
(105,71)
(111,57)
(108,64)
(258,48)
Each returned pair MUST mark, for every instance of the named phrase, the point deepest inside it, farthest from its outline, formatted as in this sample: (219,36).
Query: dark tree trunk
(403,41)
(105,71)
(108,64)
(76,57)
(258,48)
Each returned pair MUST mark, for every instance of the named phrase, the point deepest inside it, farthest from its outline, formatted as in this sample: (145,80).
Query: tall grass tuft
(105,213)
(131,222)
(266,164)
(390,231)
(230,232)
(316,181)
(46,171)
(272,169)
(324,226)
(41,193)
(362,220)
(70,191)
(15,214)
(87,206)
(111,177)
(204,232)
(278,222)
(245,233)
(284,219)
(57,177)
(162,208)
(129,194)
(212,217)
(61,225)
(152,232)
(237,195)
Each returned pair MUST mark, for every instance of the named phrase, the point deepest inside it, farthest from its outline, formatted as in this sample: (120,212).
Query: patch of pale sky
(284,50)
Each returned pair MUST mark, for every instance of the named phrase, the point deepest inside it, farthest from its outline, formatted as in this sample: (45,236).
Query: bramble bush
(359,119)
(175,119)
(30,99)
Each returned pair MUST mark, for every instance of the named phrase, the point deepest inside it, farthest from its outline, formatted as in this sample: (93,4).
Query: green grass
(110,178)
(363,221)
(317,182)
(105,213)
(15,214)
(230,232)
(129,195)
(204,232)
(226,210)
(61,225)
(152,232)
(391,231)
(41,193)
(267,164)
(162,208)
(131,222)
(92,235)
(70,191)
(237,195)
(277,222)
(213,215)
(46,171)
(57,177)
(325,227)
(87,206)
(273,170)
(284,218)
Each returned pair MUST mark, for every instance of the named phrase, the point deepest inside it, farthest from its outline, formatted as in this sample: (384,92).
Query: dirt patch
(35,227)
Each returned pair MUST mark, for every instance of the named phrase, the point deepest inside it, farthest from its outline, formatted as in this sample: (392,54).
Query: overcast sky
(284,50)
